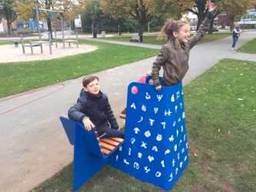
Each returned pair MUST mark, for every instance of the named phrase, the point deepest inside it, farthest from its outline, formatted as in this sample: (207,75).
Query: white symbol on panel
(173,163)
(174,123)
(143,108)
(177,133)
(170,178)
(151,122)
(183,150)
(146,169)
(158,174)
(177,94)
(143,145)
(185,158)
(179,120)
(183,115)
(163,164)
(147,133)
(155,110)
(117,157)
(180,142)
(163,124)
(147,97)
(187,145)
(181,105)
(181,128)
(172,98)
(159,137)
(167,112)
(141,119)
(178,156)
(176,108)
(133,106)
(120,148)
(159,97)
(139,155)
(176,171)
(175,147)
(151,158)
(136,130)
(171,139)
(167,151)
(154,148)
(181,164)
(129,151)
(136,165)
(184,138)
(126,162)
(132,140)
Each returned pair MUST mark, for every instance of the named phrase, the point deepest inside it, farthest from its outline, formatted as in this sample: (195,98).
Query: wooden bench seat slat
(105,151)
(109,141)
(107,146)
(118,139)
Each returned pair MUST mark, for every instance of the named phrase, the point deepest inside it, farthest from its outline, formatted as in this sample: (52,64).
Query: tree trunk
(49,25)
(141,31)
(94,29)
(210,31)
(9,27)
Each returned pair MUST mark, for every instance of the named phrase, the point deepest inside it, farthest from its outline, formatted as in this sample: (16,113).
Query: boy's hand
(88,125)
(211,6)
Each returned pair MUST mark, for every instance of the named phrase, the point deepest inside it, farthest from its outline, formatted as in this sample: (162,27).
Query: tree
(8,12)
(93,13)
(234,9)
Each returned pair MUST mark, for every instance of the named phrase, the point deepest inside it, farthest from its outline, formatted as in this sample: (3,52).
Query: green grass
(154,39)
(249,47)
(23,76)
(4,42)
(221,119)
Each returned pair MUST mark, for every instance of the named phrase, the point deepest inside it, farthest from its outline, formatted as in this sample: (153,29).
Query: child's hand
(88,125)
(158,87)
(211,6)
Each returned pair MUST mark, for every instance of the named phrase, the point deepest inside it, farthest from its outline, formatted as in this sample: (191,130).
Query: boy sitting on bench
(94,111)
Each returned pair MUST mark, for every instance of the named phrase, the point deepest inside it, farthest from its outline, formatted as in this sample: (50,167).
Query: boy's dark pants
(108,131)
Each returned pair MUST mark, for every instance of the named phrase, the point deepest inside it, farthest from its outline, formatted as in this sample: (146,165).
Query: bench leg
(85,165)
(23,49)
(41,47)
(31,50)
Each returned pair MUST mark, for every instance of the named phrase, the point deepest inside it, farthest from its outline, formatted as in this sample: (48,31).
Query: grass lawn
(221,118)
(23,76)
(154,39)
(249,47)
(4,42)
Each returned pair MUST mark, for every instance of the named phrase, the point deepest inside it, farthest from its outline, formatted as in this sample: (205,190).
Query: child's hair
(89,79)
(172,26)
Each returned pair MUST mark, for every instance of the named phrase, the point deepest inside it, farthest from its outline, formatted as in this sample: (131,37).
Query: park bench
(155,148)
(135,38)
(31,45)
(70,42)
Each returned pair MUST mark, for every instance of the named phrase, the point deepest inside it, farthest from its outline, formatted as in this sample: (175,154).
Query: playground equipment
(155,148)
(39,43)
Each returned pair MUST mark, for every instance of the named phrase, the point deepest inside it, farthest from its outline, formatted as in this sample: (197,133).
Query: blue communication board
(155,148)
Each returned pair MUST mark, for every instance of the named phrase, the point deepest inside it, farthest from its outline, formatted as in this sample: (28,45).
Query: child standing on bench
(174,55)
(94,111)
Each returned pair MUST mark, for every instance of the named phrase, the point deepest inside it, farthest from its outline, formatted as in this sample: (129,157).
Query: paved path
(33,145)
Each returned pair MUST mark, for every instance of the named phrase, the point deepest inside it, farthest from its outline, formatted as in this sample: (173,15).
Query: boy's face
(93,87)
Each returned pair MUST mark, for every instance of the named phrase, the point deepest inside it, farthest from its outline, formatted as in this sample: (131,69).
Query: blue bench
(155,148)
